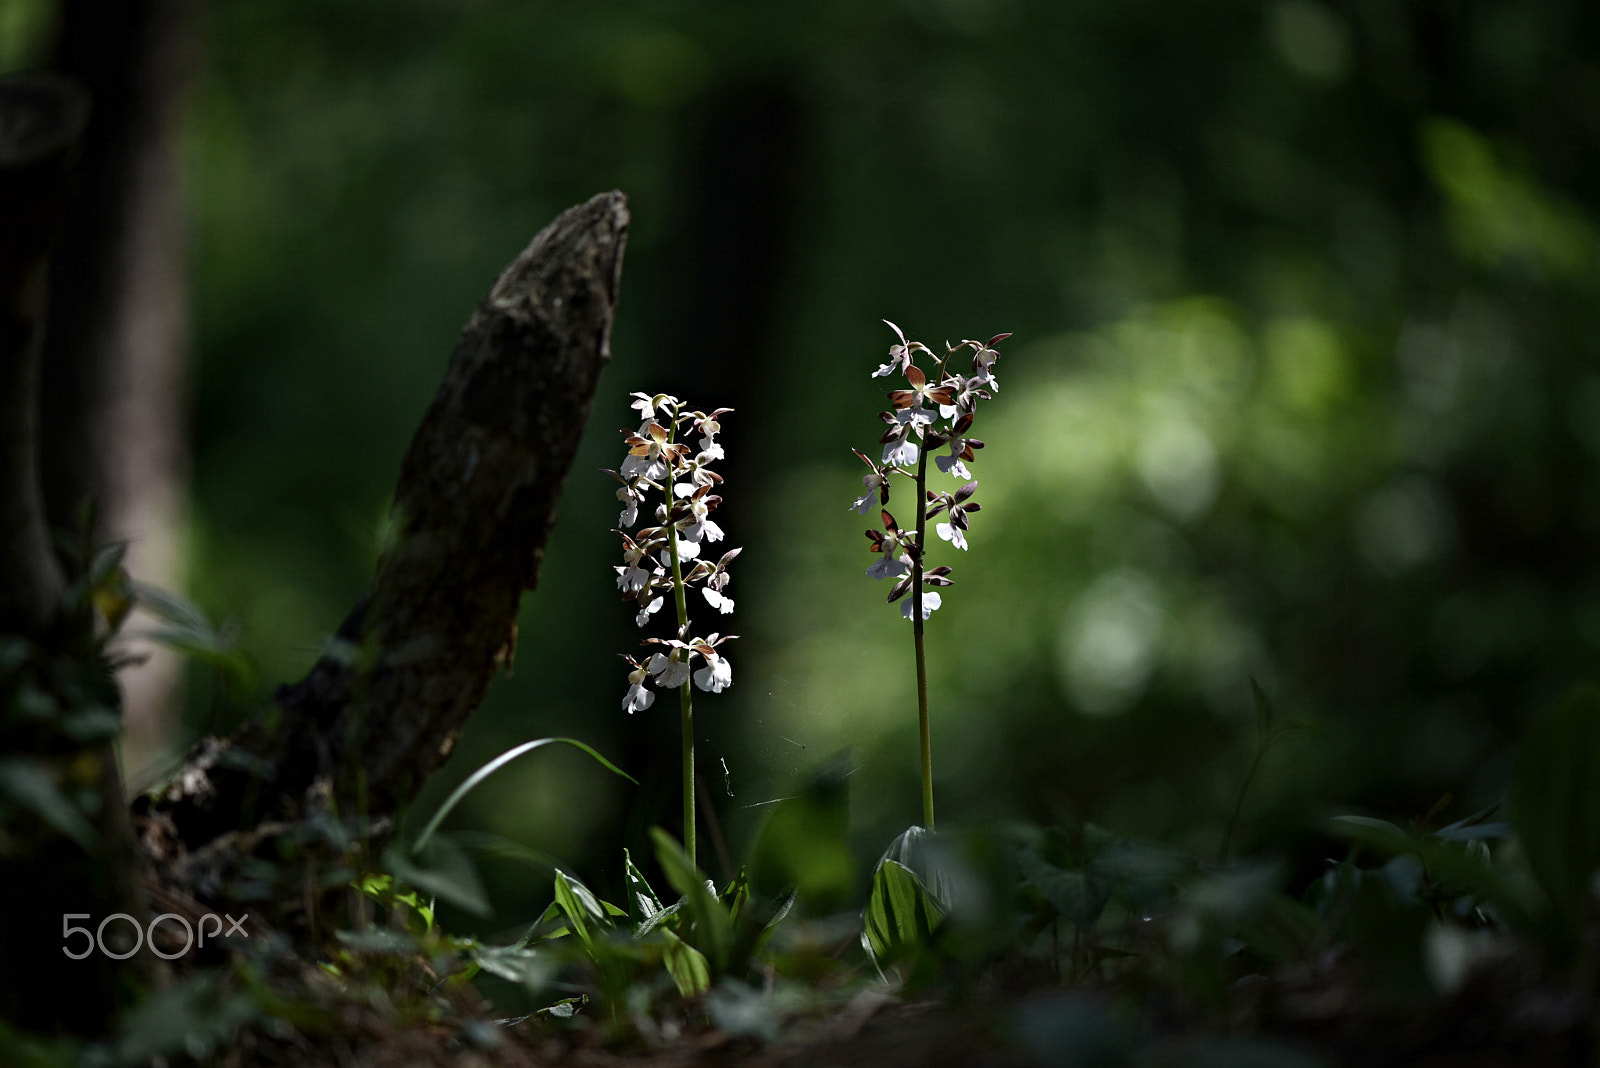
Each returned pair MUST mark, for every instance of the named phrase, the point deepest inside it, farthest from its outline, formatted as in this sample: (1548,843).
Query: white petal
(638,699)
(716,676)
(901,454)
(930,602)
(672,673)
(888,567)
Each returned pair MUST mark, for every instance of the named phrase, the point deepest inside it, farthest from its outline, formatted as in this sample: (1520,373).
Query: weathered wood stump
(475,503)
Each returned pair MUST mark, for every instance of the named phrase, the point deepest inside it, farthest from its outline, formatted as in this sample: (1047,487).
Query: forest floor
(1330,1013)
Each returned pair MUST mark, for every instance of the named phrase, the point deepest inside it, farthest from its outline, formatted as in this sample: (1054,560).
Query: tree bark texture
(474,506)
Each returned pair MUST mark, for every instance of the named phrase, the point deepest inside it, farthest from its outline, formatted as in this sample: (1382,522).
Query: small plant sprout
(665,561)
(933,413)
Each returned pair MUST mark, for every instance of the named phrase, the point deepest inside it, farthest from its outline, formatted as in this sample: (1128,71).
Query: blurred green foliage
(1303,386)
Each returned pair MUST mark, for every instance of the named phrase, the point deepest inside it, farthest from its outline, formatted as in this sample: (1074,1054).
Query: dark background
(1303,387)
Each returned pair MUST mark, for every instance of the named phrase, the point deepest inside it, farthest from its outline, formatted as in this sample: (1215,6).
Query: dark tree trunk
(116,351)
(41,122)
(475,503)
(65,848)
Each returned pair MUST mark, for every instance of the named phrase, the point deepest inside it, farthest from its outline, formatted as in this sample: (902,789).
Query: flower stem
(924,733)
(685,698)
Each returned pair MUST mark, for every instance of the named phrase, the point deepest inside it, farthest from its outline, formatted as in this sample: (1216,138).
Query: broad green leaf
(1555,801)
(1464,865)
(1141,874)
(495,765)
(712,930)
(442,870)
(901,913)
(1079,896)
(688,966)
(515,964)
(913,849)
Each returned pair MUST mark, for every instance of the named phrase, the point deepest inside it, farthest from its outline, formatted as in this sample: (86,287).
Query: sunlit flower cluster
(932,413)
(678,477)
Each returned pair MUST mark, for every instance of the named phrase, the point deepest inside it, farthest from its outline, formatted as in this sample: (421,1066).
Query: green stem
(925,735)
(685,698)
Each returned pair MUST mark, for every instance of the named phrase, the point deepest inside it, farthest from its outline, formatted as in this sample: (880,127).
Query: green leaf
(29,784)
(1476,827)
(901,914)
(443,870)
(711,928)
(188,631)
(548,926)
(757,1012)
(1555,801)
(1380,834)
(515,964)
(1078,896)
(190,1019)
(90,724)
(495,765)
(1141,873)
(643,904)
(1464,865)
(566,1008)
(690,970)
(736,896)
(585,913)
(914,848)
